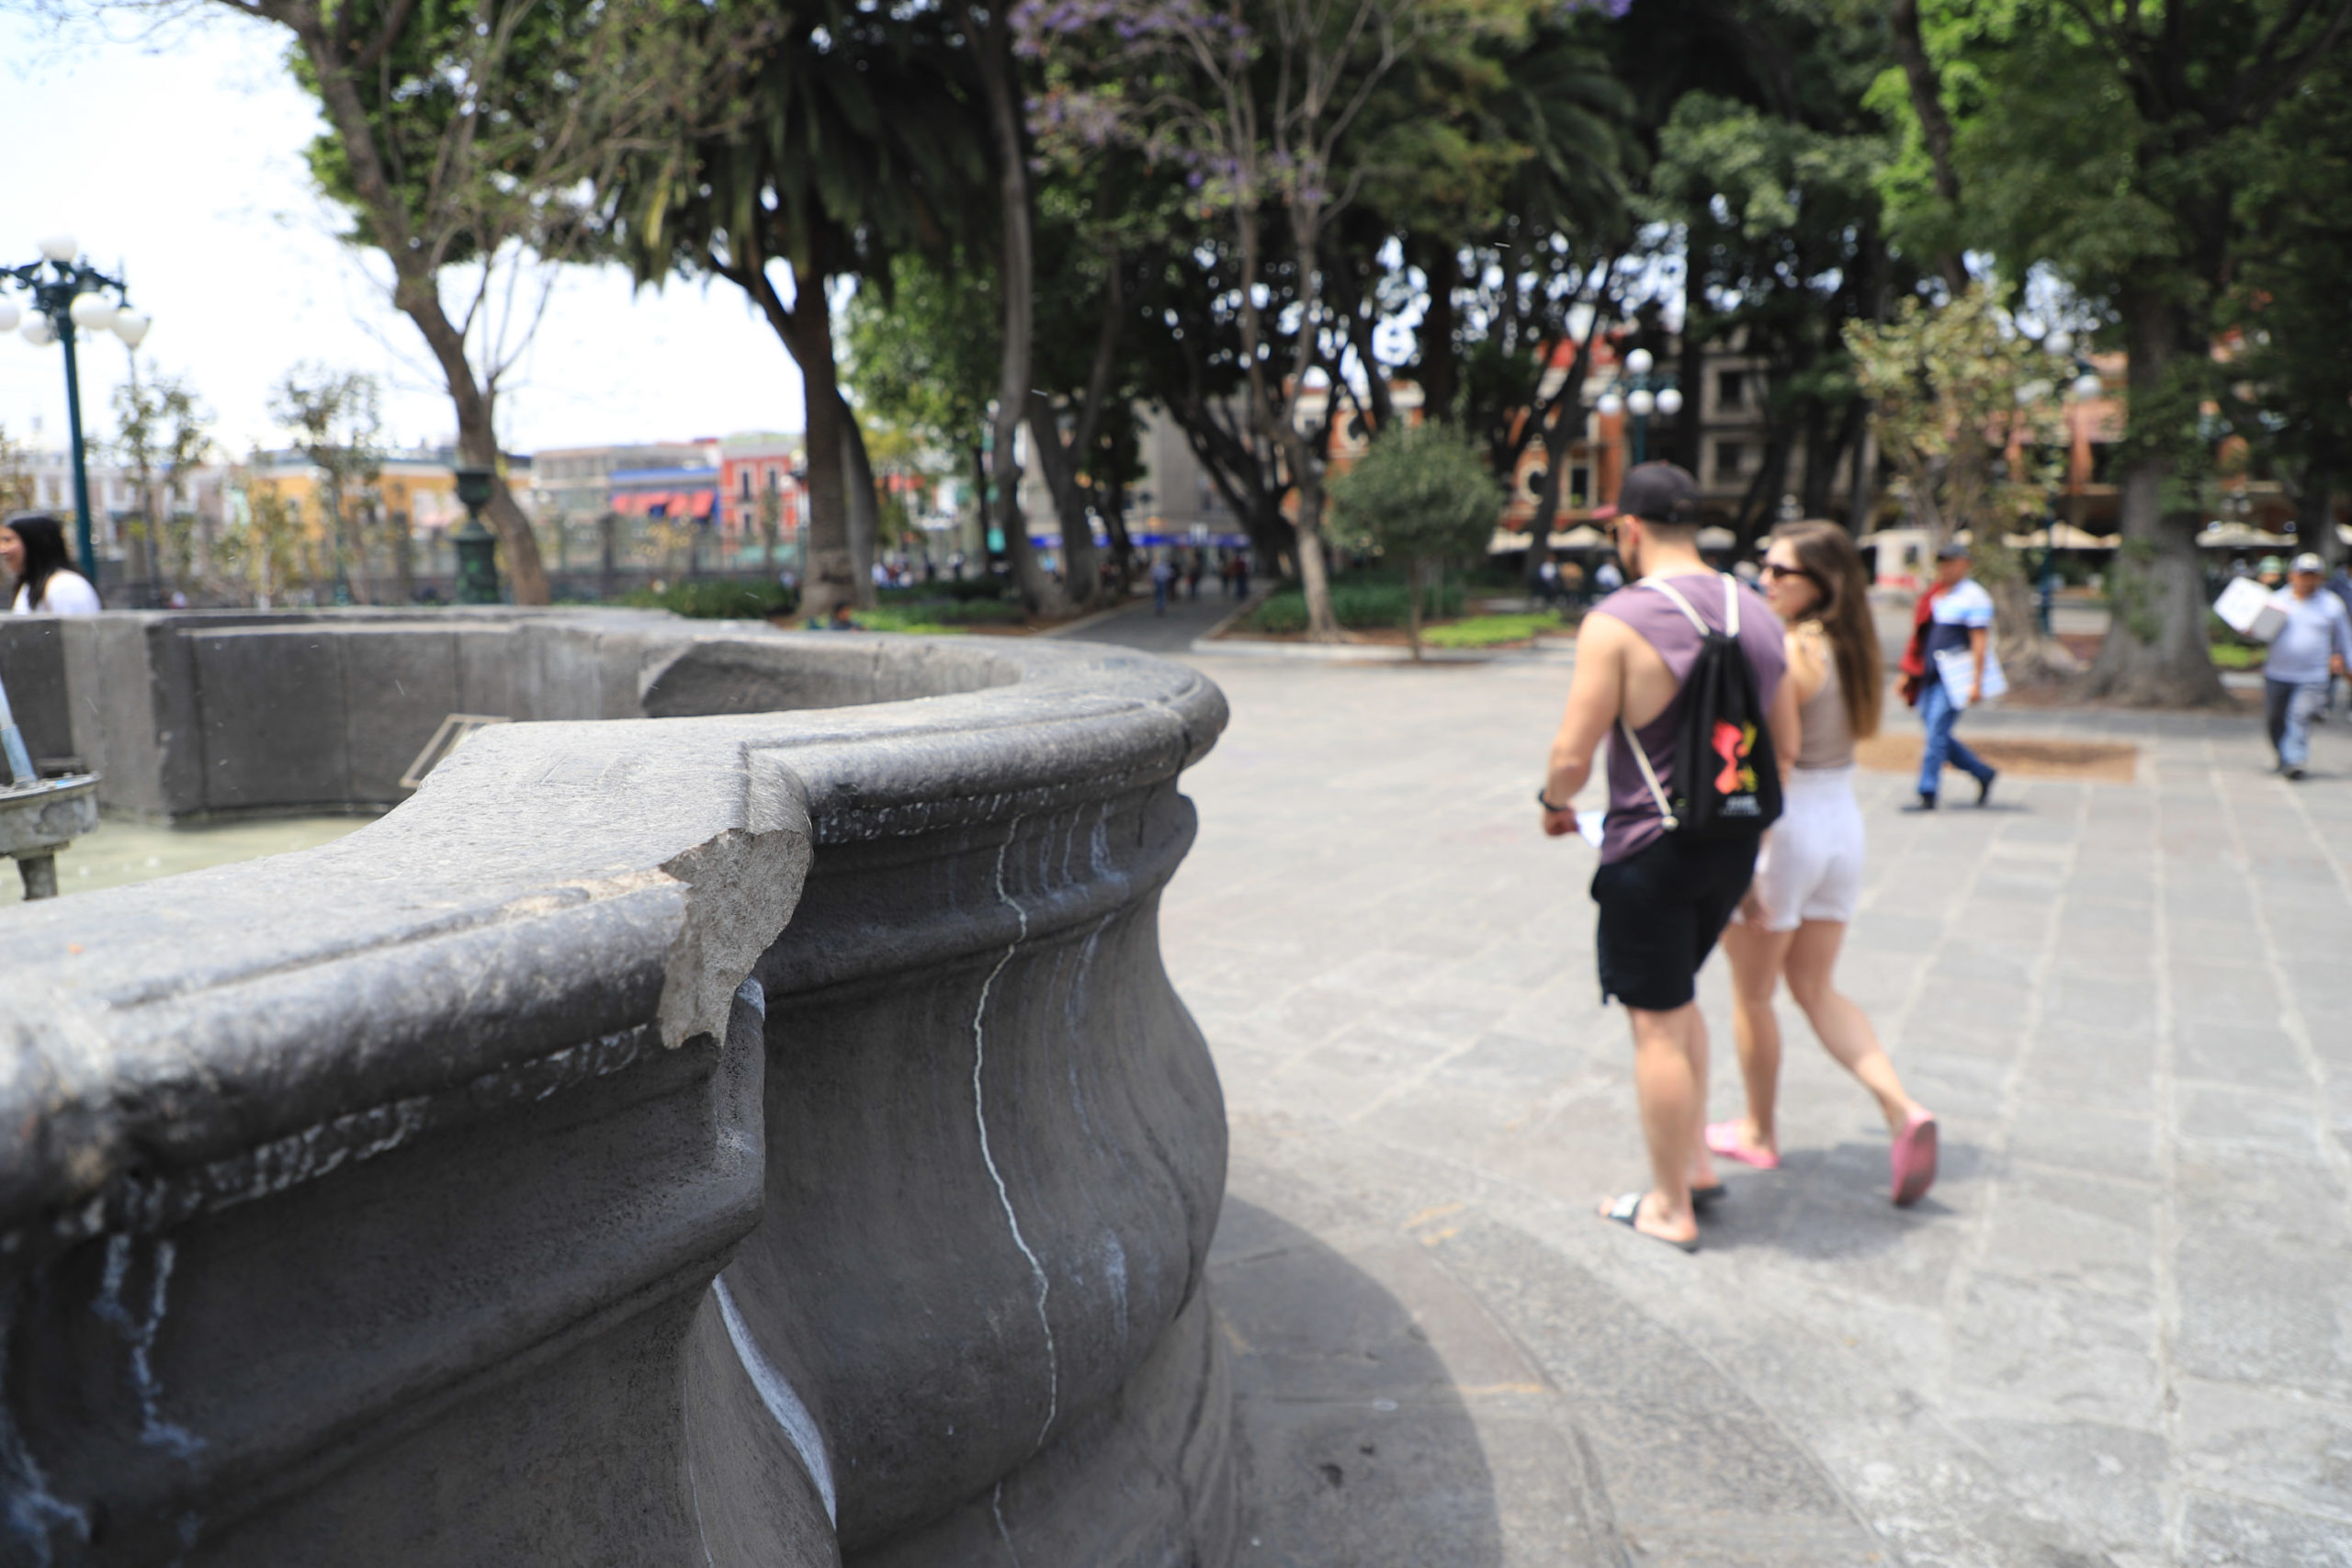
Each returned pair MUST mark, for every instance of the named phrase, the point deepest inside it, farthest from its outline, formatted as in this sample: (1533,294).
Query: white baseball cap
(2308,562)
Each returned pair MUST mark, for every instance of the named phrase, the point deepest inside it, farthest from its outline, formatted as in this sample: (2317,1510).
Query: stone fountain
(734,1114)
(39,816)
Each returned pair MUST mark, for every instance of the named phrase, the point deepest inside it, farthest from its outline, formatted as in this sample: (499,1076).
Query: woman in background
(32,546)
(1809,876)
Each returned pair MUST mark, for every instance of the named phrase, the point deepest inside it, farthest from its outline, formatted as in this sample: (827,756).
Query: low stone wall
(765,1136)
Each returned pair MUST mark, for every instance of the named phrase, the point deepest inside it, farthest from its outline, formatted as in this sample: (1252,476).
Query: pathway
(2119,1332)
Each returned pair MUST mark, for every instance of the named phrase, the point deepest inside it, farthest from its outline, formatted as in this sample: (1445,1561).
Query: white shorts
(1811,868)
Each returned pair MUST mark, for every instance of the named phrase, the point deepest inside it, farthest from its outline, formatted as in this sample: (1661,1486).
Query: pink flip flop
(1722,1138)
(1914,1160)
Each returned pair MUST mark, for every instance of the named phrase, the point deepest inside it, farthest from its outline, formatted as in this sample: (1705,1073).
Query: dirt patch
(2028,756)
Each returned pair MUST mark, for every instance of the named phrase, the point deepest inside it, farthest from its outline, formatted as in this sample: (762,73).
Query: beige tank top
(1826,738)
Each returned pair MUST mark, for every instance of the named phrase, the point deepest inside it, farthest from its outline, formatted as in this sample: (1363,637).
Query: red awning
(671,503)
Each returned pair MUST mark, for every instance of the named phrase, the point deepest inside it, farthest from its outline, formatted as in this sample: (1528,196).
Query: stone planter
(759,1130)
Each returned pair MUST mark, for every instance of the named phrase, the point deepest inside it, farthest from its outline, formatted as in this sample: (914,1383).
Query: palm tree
(841,137)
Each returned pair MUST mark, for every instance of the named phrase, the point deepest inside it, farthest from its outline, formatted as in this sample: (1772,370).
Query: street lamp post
(1640,393)
(477,546)
(69,298)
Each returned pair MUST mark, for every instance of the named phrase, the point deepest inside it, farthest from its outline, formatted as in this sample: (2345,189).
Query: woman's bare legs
(1757,956)
(1845,1034)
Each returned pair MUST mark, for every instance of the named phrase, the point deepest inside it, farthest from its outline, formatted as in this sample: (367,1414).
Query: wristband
(1545,802)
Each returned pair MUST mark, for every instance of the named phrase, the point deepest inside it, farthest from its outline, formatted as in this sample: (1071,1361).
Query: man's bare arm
(1594,698)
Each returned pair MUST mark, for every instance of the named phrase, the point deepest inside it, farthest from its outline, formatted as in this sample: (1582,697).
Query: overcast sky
(186,167)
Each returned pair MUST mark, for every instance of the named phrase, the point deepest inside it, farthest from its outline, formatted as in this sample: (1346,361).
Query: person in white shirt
(1960,621)
(2314,643)
(32,546)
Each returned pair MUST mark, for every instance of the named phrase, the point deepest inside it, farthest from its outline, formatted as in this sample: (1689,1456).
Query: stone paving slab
(2119,1332)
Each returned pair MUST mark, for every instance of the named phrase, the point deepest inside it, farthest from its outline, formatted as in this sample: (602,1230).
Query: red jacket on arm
(1915,652)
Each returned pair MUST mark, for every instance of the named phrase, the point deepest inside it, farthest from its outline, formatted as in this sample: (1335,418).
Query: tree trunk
(1859,499)
(1114,524)
(992,60)
(1081,575)
(864,504)
(807,328)
(2028,654)
(979,542)
(416,292)
(2155,653)
(1440,376)
(1413,575)
(2314,500)
(1314,574)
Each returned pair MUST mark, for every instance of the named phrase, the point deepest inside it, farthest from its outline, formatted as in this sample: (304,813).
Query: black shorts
(1661,910)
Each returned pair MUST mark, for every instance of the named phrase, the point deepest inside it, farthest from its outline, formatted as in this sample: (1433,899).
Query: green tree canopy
(1423,494)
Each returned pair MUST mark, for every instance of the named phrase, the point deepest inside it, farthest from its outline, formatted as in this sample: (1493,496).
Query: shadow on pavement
(1355,1448)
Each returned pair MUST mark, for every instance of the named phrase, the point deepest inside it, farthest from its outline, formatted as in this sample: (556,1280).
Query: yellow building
(421,492)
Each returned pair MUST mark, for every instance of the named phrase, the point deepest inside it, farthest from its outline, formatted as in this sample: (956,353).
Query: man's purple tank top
(1633,821)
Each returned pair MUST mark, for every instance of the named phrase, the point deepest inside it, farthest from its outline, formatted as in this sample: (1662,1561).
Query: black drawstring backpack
(1726,778)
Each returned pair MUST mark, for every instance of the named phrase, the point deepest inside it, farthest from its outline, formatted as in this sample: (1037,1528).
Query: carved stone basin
(735,1115)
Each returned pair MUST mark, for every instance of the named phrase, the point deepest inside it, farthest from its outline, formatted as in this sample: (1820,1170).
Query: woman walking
(1809,876)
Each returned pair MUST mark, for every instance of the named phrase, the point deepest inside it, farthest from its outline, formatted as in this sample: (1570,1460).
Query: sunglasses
(1774,569)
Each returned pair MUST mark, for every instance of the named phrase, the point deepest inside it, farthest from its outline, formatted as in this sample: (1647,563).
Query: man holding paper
(1961,672)
(2313,641)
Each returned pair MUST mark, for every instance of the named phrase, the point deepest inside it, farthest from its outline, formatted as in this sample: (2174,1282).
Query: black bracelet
(1544,801)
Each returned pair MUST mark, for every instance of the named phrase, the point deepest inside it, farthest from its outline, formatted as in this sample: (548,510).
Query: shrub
(934,617)
(1424,495)
(980,587)
(717,598)
(1359,605)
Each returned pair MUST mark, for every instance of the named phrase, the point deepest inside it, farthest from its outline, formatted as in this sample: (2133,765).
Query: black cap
(1951,549)
(1661,492)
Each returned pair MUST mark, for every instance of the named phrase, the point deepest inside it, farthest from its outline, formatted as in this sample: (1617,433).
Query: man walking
(1960,620)
(1664,896)
(2314,643)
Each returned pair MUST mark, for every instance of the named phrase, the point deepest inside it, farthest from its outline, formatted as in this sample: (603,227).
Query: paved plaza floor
(2119,1331)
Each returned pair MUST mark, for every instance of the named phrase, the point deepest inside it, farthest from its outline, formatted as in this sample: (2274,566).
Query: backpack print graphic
(1736,784)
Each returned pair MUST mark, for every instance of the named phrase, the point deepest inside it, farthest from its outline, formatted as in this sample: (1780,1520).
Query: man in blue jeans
(1961,619)
(2314,643)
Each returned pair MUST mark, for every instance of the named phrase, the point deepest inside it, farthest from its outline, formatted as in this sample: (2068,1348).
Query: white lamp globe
(1669,401)
(1609,403)
(60,247)
(131,326)
(2087,385)
(1640,403)
(8,314)
(93,312)
(37,332)
(2060,342)
(1639,362)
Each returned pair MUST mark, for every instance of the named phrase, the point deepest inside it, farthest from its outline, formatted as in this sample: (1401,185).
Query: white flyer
(1957,667)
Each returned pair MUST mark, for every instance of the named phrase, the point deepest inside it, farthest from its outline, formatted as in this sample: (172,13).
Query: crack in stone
(980,1115)
(154,1431)
(996,1508)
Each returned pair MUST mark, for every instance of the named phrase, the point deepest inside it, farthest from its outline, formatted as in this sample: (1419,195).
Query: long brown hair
(1827,553)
